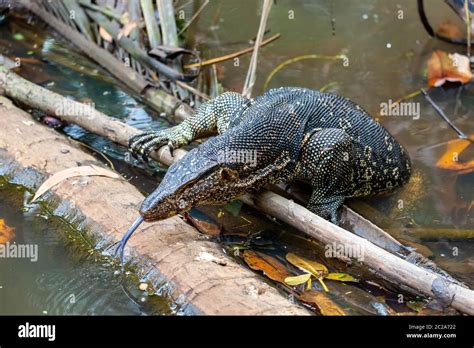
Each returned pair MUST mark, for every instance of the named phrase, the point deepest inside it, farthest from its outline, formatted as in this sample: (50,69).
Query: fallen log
(386,265)
(168,255)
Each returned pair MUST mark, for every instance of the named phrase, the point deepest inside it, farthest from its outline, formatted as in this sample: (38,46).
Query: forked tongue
(126,237)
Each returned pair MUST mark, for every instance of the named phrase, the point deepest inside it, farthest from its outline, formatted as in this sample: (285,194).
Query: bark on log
(392,268)
(170,254)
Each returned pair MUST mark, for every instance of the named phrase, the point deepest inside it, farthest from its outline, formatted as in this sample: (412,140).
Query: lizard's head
(202,176)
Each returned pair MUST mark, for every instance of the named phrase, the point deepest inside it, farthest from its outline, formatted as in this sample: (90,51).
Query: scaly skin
(294,133)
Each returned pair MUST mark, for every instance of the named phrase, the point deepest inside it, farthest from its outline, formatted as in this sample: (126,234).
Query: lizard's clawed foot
(143,143)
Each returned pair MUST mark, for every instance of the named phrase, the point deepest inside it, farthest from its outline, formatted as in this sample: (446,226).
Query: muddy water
(62,273)
(386,61)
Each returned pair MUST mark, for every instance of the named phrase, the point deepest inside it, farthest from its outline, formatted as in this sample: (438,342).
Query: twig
(440,112)
(96,151)
(231,55)
(106,11)
(192,90)
(468,23)
(193,17)
(251,74)
(297,59)
(180,7)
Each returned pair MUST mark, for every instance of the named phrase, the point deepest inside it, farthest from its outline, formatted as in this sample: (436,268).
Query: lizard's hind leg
(327,159)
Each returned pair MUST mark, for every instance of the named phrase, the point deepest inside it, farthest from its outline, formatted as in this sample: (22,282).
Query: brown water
(386,60)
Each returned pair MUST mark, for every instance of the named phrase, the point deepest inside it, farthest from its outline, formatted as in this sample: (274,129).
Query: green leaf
(342,277)
(18,36)
(298,279)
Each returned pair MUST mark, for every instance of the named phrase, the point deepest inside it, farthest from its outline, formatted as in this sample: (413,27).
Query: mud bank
(200,276)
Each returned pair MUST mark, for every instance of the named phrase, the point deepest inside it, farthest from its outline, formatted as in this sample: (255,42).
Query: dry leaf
(126,30)
(270,266)
(315,268)
(297,280)
(325,305)
(444,67)
(449,29)
(203,223)
(70,173)
(6,232)
(342,277)
(105,35)
(450,159)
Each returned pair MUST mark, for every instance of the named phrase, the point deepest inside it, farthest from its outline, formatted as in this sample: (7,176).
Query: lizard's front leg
(209,119)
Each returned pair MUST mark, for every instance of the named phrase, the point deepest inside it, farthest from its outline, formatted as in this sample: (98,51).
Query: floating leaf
(443,67)
(325,305)
(297,280)
(270,266)
(105,35)
(450,159)
(315,268)
(342,277)
(449,29)
(6,232)
(70,173)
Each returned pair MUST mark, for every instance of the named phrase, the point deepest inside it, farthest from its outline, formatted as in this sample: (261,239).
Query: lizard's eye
(228,174)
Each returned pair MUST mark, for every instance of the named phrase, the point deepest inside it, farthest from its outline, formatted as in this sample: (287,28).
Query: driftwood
(386,265)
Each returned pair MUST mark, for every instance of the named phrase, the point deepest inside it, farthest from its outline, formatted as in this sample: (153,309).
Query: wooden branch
(104,10)
(231,55)
(101,56)
(150,22)
(252,72)
(134,50)
(156,98)
(80,18)
(384,264)
(194,17)
(170,36)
